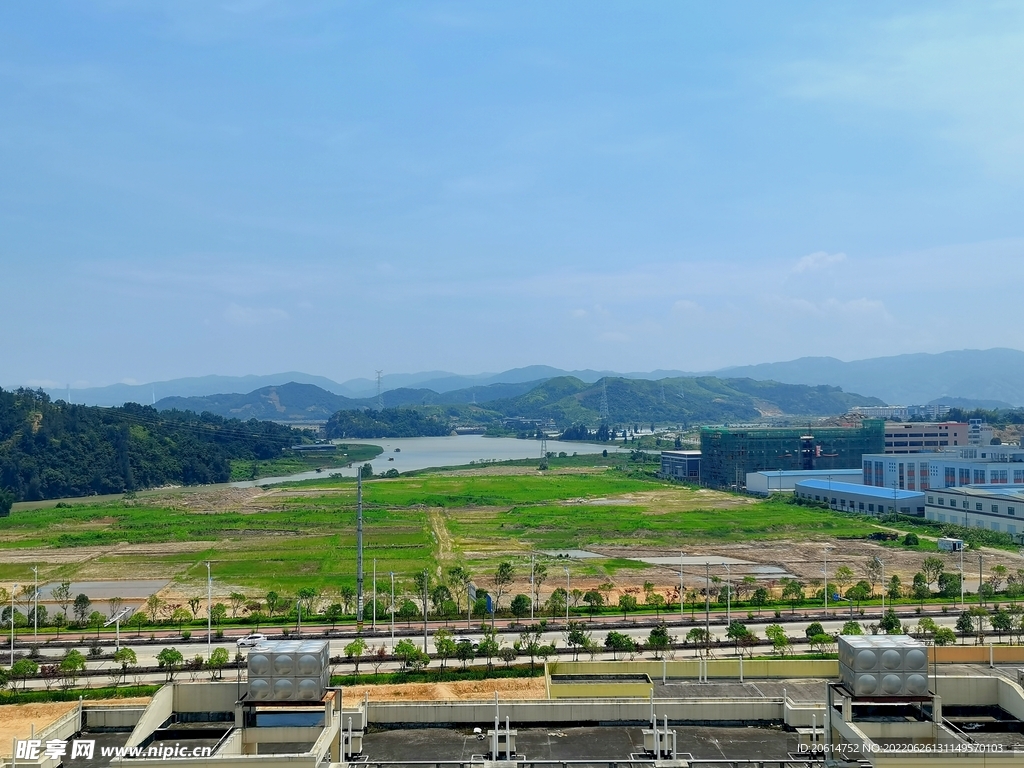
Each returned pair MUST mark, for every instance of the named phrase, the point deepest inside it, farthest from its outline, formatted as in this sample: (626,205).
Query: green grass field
(304,535)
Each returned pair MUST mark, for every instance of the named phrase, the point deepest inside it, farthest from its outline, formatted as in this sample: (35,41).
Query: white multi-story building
(968,465)
(922,437)
(979,433)
(767,482)
(995,509)
(902,412)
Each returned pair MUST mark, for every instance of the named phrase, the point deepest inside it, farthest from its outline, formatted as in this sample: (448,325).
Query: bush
(186,635)
(910,540)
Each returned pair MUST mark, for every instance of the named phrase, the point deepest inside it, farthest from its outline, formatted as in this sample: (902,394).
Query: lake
(456,450)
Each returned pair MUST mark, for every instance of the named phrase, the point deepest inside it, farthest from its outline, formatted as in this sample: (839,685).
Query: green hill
(52,449)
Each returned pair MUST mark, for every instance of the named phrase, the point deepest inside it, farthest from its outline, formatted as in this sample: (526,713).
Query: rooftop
(863,490)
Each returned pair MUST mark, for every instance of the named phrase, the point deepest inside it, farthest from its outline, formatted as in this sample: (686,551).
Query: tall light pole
(533,594)
(209,610)
(566,569)
(707,608)
(35,605)
(882,566)
(392,611)
(961,574)
(681,588)
(374,626)
(13,589)
(826,574)
(728,594)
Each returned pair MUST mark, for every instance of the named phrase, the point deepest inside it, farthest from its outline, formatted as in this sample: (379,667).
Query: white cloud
(686,307)
(818,260)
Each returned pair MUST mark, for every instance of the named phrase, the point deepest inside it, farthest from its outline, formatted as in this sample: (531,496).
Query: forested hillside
(389,422)
(52,449)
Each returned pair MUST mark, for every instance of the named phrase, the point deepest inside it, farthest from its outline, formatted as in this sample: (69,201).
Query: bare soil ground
(462,690)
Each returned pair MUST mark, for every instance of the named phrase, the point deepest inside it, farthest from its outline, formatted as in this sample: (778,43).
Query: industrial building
(968,465)
(729,454)
(765,483)
(995,509)
(852,497)
(924,437)
(681,465)
(901,412)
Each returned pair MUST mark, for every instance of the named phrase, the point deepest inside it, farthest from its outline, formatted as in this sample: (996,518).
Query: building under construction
(728,454)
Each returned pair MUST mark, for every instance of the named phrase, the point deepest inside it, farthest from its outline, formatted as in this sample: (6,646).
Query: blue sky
(255,186)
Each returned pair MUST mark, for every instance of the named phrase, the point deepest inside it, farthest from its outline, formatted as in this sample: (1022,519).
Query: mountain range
(565,400)
(966,378)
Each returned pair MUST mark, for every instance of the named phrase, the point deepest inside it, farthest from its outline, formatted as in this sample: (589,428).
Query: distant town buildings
(967,465)
(995,508)
(924,437)
(901,412)
(681,465)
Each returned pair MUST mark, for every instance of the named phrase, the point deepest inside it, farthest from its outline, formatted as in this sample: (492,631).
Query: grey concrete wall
(205,697)
(111,718)
(159,709)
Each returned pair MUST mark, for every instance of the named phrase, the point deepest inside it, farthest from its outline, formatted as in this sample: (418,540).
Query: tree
(333,613)
(577,637)
(852,628)
(154,604)
(218,613)
(556,602)
(932,567)
(760,599)
(410,655)
(7,499)
(1002,621)
(890,623)
(894,590)
(520,606)
(594,601)
(859,592)
(793,593)
(489,646)
(873,569)
(656,601)
(997,576)
(169,660)
(58,621)
(964,624)
(237,600)
(96,621)
(627,603)
(508,654)
(823,643)
(949,585)
(980,616)
(274,603)
(408,611)
(459,578)
(777,635)
(139,620)
(378,658)
(193,605)
(530,641)
(82,606)
(308,596)
(354,652)
(127,660)
(503,577)
(944,636)
(348,596)
(540,575)
(843,576)
(911,540)
(257,618)
(179,617)
(736,632)
(62,596)
(22,670)
(920,591)
(71,666)
(464,652)
(927,626)
(217,661)
(439,596)
(444,644)
(814,628)
(617,643)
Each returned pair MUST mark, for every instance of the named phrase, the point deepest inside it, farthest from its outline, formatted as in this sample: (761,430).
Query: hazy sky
(253,186)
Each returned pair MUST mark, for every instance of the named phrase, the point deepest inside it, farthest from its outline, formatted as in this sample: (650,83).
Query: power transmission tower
(380,393)
(604,400)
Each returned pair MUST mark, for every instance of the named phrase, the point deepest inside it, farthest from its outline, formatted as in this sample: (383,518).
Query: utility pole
(392,612)
(359,549)
(35,606)
(426,576)
(681,588)
(209,610)
(533,597)
(980,577)
(374,627)
(380,392)
(707,608)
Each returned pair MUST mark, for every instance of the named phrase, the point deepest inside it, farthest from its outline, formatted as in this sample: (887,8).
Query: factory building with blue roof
(862,499)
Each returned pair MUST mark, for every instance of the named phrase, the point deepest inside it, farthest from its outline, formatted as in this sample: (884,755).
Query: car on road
(251,640)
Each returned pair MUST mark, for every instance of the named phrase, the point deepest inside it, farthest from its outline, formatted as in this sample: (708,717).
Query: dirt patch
(531,688)
(16,720)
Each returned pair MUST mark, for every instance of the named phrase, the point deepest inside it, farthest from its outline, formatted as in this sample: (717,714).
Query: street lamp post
(392,611)
(533,596)
(826,574)
(13,589)
(681,588)
(374,626)
(566,569)
(35,605)
(961,574)
(728,594)
(882,566)
(707,608)
(209,610)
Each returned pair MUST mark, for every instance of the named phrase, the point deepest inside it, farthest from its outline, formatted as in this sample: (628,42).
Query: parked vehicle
(251,640)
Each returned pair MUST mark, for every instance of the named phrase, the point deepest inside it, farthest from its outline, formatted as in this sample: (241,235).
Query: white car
(251,640)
